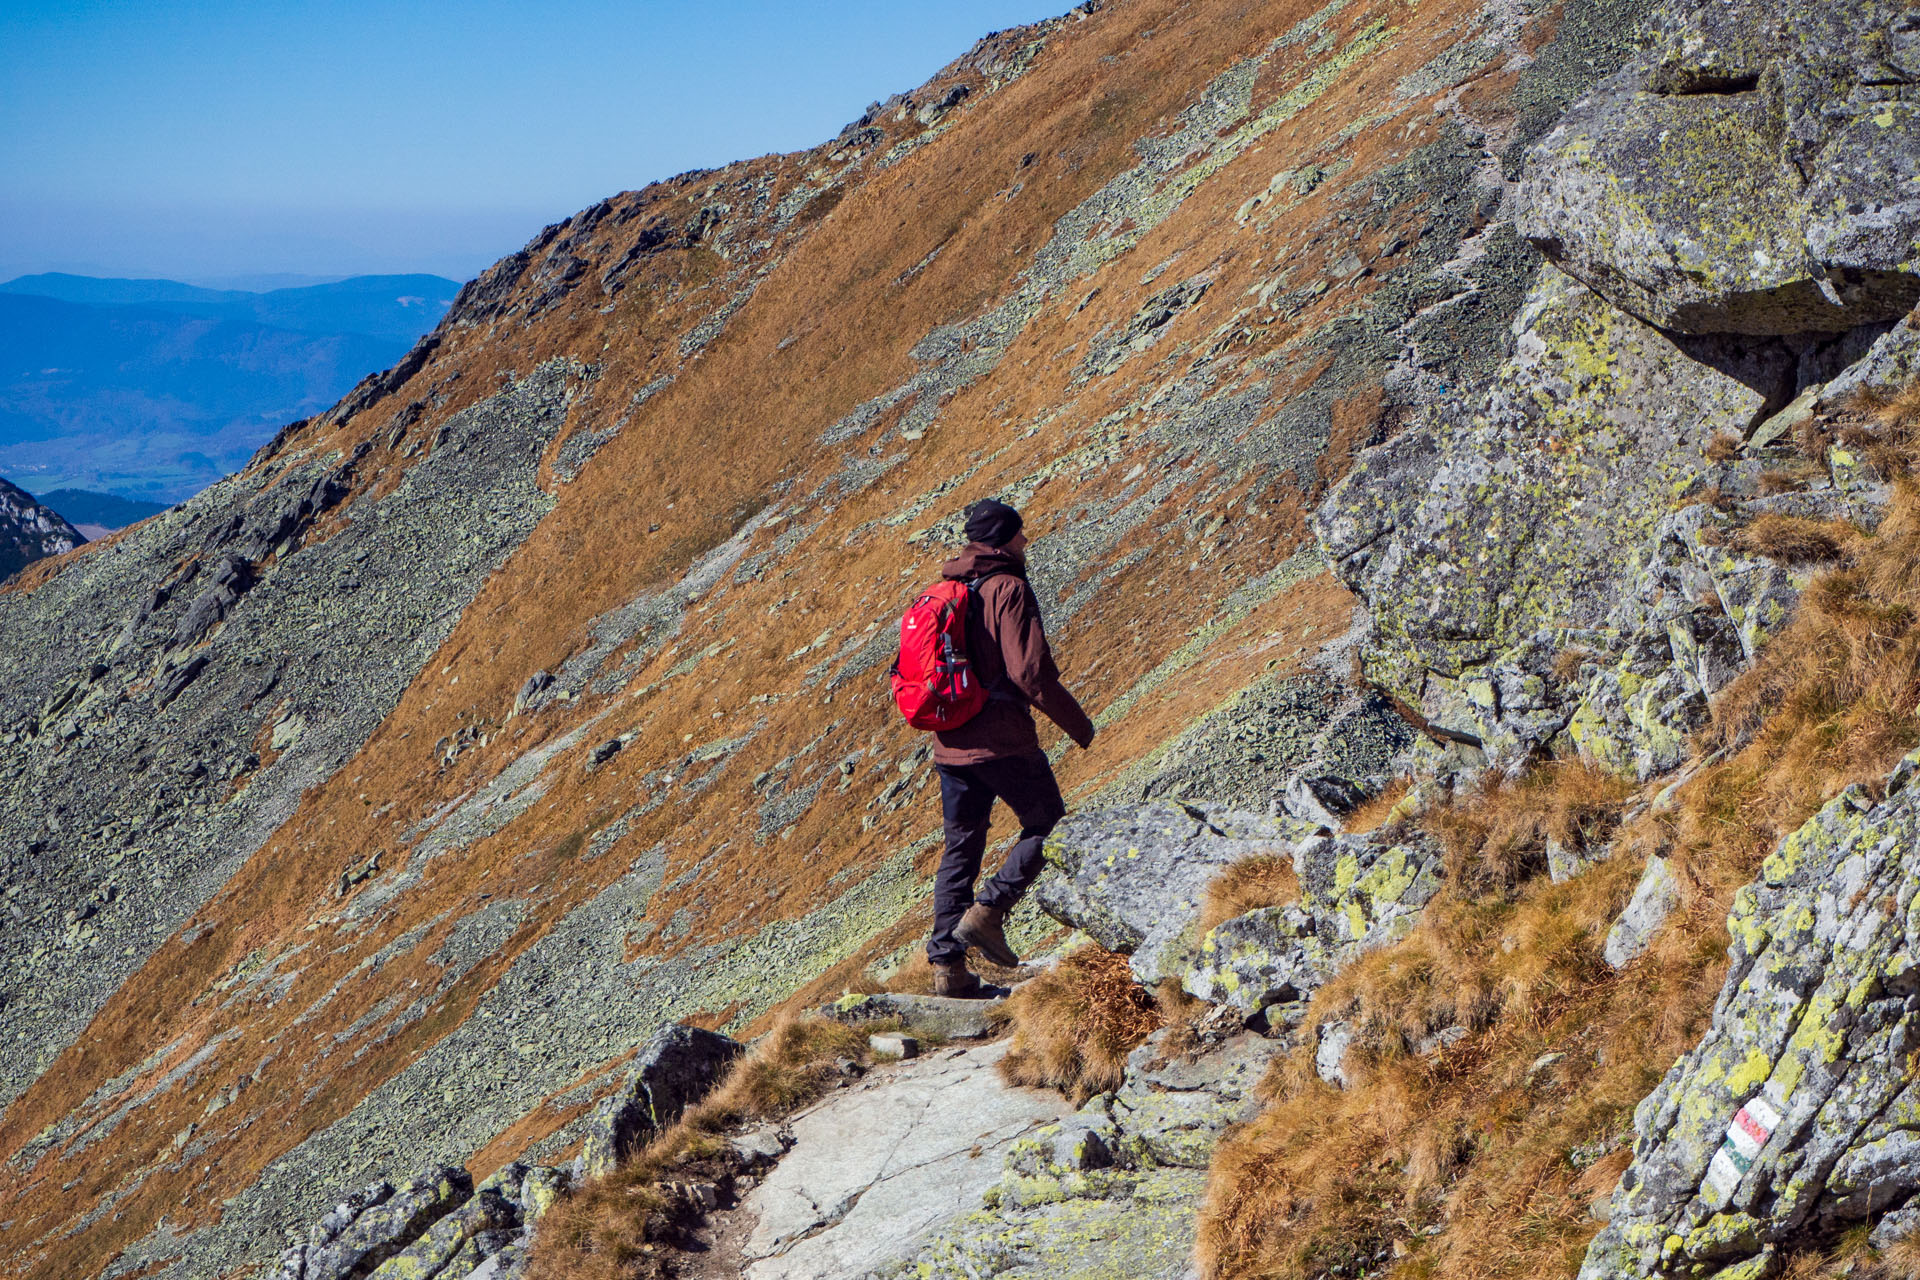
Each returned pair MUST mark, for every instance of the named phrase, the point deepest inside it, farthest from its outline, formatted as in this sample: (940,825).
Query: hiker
(995,753)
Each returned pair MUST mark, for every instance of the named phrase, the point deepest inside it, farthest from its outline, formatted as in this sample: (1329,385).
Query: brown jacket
(1007,647)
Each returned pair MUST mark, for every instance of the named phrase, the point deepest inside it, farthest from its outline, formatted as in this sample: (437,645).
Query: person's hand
(1087,741)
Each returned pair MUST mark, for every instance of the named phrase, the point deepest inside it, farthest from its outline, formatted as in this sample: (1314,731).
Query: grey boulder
(1753,172)
(1134,879)
(675,1069)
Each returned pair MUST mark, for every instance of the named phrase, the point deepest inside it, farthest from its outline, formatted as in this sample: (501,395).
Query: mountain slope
(370,808)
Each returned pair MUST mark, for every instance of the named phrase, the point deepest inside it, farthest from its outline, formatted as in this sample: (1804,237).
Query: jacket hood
(979,558)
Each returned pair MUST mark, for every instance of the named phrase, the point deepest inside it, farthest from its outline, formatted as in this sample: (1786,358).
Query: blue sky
(216,139)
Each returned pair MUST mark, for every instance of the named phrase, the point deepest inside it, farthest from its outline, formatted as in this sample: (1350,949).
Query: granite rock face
(1496,536)
(1730,226)
(1792,1117)
(1753,172)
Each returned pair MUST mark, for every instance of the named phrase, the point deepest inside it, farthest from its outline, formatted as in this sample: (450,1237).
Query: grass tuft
(1074,1024)
(1264,880)
(1497,836)
(1792,539)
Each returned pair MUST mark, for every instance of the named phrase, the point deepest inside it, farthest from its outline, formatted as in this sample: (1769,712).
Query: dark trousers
(967,792)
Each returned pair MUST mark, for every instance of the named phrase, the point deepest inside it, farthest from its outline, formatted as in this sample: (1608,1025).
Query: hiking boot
(957,982)
(980,929)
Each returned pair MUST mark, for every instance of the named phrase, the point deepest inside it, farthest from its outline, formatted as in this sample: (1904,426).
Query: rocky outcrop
(673,1070)
(1548,562)
(1133,879)
(1792,1119)
(30,531)
(1752,173)
(1527,573)
(443,1227)
(1357,892)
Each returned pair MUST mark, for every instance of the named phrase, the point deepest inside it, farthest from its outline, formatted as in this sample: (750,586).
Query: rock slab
(1133,878)
(877,1168)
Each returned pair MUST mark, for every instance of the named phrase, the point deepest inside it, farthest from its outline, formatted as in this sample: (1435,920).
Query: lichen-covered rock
(1543,569)
(1654,898)
(1753,172)
(1356,892)
(675,1070)
(440,1247)
(1265,957)
(437,1228)
(1172,1108)
(1792,1116)
(1133,878)
(1697,615)
(356,1241)
(1488,541)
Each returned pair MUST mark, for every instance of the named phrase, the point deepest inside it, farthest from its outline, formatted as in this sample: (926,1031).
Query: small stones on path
(894,1046)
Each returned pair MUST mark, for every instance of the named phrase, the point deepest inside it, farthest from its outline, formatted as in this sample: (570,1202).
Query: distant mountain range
(94,514)
(153,389)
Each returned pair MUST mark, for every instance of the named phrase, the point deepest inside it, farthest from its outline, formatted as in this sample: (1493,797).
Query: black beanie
(992,523)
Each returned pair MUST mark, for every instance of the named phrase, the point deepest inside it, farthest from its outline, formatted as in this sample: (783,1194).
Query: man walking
(996,754)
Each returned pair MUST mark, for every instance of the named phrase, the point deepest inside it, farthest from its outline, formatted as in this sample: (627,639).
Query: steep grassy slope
(366,810)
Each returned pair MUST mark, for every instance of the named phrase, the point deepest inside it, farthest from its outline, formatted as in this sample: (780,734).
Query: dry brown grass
(1074,1025)
(1792,539)
(1567,663)
(1781,482)
(1373,814)
(1724,447)
(1473,1136)
(623,1226)
(1264,880)
(1498,836)
(1838,687)
(1853,1257)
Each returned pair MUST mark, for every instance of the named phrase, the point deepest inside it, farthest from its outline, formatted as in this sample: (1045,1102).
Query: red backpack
(933,684)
